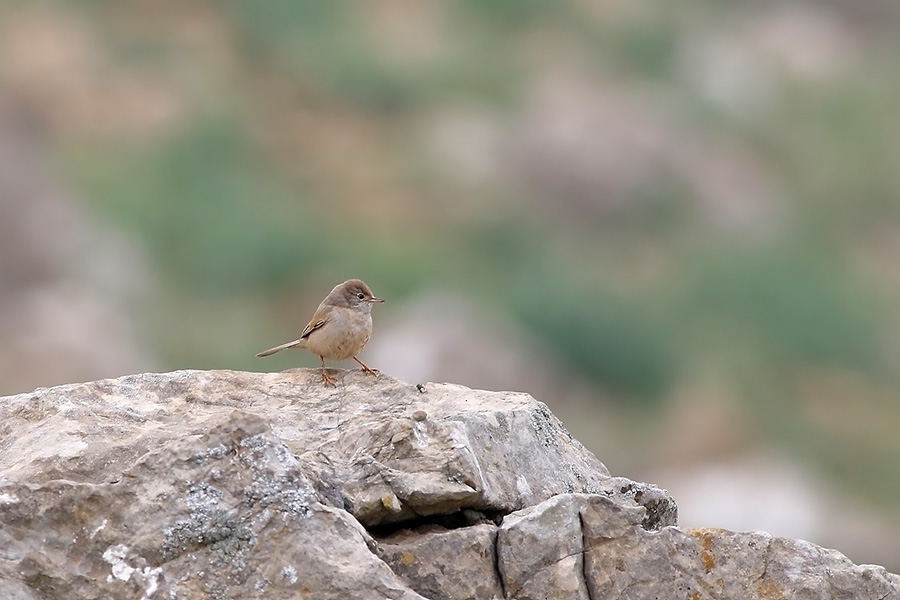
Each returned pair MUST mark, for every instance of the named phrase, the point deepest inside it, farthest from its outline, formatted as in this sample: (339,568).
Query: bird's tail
(295,344)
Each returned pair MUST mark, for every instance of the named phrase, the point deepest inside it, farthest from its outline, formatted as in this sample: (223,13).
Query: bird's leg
(366,368)
(326,378)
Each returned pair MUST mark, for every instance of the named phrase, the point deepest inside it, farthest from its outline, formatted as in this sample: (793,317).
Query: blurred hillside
(679,226)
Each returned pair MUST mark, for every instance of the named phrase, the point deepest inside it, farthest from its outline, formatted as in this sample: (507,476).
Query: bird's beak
(375,299)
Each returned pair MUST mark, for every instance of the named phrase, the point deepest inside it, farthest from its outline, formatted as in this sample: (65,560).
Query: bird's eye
(361,296)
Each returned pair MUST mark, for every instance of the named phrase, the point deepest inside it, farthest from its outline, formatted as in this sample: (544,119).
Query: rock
(599,550)
(493,451)
(534,564)
(216,484)
(155,485)
(442,564)
(217,515)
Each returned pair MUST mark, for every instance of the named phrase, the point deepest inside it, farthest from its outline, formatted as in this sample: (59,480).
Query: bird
(340,327)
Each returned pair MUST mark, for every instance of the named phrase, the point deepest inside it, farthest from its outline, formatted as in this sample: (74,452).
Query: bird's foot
(327,379)
(366,368)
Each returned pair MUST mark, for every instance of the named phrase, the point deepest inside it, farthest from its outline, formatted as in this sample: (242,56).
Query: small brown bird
(340,328)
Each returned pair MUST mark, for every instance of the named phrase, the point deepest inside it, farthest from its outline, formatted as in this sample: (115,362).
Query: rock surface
(217,484)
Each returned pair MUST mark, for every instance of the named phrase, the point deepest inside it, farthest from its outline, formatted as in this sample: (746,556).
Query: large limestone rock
(223,484)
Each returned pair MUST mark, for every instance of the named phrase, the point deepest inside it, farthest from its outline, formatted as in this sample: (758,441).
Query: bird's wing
(310,327)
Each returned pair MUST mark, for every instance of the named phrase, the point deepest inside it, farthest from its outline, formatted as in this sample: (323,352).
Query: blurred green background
(691,211)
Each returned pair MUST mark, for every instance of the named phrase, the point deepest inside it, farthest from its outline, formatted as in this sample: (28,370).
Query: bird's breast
(343,336)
